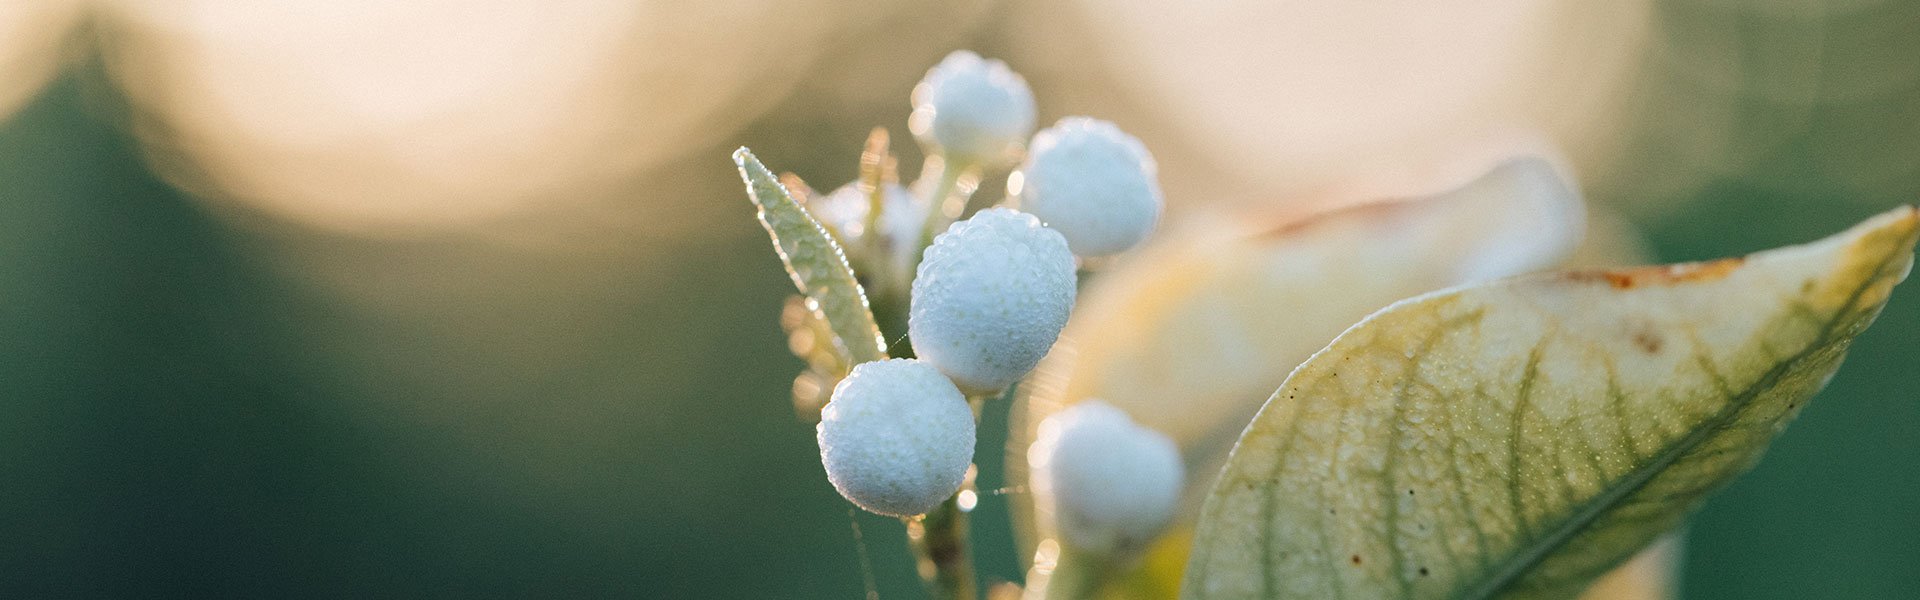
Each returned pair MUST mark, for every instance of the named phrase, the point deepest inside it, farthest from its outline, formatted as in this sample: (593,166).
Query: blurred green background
(203,398)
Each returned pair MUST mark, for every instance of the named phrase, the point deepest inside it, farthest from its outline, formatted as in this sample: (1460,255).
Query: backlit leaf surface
(1519,438)
(815,261)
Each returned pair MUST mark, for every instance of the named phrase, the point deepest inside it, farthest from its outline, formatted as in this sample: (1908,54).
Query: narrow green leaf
(816,263)
(1517,439)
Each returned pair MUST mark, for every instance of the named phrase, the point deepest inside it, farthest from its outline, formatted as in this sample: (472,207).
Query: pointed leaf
(816,263)
(1205,313)
(1191,334)
(1518,438)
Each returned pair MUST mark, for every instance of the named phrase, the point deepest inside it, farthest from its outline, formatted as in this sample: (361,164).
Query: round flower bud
(990,298)
(972,110)
(1093,183)
(896,438)
(1112,485)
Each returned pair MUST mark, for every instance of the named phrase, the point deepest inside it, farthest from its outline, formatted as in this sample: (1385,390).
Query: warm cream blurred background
(426,297)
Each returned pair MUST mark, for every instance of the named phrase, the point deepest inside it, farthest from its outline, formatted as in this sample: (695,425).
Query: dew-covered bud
(990,298)
(972,110)
(1093,183)
(896,438)
(1112,485)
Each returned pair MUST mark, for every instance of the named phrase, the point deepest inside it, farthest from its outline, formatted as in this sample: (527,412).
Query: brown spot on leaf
(1649,340)
(1618,279)
(1356,559)
(1626,279)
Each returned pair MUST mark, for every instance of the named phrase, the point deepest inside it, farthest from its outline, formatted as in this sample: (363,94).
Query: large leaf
(1185,335)
(816,263)
(1192,333)
(1517,439)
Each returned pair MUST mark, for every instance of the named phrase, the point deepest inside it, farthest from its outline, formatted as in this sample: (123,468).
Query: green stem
(939,539)
(947,190)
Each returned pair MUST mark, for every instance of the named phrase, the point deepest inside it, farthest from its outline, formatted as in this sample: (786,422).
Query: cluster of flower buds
(989,298)
(984,300)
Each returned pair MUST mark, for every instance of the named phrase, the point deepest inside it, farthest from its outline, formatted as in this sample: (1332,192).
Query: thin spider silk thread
(866,562)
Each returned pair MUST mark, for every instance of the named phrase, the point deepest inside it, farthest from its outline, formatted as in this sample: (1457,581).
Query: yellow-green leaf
(1649,575)
(1517,439)
(816,263)
(1191,333)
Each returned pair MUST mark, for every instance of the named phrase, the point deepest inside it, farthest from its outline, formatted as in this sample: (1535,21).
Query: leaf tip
(751,169)
(1902,226)
(1904,219)
(1890,233)
(762,186)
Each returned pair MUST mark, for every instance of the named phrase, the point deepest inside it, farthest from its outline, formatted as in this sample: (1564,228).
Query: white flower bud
(1112,485)
(846,210)
(1092,182)
(896,438)
(990,298)
(972,110)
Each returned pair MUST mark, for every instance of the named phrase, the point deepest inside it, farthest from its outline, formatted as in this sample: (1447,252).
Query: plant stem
(939,539)
(956,182)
